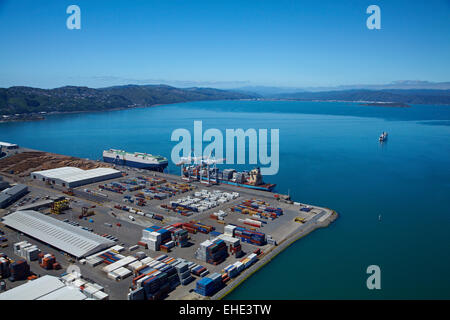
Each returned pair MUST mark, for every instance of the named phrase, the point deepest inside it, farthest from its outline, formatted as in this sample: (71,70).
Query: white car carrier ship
(136,160)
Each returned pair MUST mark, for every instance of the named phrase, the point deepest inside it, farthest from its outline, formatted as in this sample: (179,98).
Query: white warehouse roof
(46,287)
(61,235)
(73,176)
(7,144)
(65,293)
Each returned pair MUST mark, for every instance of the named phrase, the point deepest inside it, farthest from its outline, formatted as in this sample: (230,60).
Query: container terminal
(93,230)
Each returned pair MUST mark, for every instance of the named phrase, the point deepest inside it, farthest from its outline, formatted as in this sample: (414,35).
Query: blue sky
(223,43)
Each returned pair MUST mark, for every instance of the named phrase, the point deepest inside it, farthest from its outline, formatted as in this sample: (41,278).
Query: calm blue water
(329,156)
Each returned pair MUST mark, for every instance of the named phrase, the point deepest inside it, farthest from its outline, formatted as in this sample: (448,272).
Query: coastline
(43,116)
(81,111)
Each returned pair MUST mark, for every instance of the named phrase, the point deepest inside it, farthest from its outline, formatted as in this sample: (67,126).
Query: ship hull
(263,187)
(135,164)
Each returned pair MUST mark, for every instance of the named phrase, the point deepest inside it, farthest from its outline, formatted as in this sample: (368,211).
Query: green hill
(24,100)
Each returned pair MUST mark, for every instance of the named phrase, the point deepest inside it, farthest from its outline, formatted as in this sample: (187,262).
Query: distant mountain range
(25,100)
(401,84)
(419,96)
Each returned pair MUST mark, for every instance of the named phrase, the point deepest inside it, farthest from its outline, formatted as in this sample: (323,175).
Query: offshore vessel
(135,159)
(383,137)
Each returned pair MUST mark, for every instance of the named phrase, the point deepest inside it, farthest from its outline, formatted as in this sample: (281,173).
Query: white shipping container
(100,295)
(146,260)
(89,290)
(118,264)
(122,273)
(113,276)
(79,282)
(135,265)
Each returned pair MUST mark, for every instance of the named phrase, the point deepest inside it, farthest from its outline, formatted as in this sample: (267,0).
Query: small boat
(383,137)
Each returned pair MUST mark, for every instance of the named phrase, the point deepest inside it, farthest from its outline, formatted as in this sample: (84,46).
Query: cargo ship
(135,160)
(247,179)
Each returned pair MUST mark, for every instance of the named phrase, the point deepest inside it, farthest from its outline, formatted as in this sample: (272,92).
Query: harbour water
(329,156)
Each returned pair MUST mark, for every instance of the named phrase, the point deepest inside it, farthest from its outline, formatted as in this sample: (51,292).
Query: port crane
(208,162)
(186,162)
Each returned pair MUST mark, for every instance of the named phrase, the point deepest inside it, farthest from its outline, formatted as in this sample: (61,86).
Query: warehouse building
(8,146)
(10,195)
(43,288)
(72,177)
(58,234)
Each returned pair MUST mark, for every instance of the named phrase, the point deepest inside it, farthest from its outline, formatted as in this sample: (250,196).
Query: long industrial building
(44,288)
(8,146)
(71,239)
(10,195)
(72,177)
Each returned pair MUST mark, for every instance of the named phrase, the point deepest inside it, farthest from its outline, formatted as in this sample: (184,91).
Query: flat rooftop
(73,174)
(43,288)
(61,235)
(7,144)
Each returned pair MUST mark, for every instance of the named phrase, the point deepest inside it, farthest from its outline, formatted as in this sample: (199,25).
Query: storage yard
(148,235)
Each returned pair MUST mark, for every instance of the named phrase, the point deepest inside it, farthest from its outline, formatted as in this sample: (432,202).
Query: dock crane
(208,162)
(186,162)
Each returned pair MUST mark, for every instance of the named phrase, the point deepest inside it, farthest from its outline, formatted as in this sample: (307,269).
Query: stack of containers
(184,273)
(234,244)
(4,266)
(202,227)
(252,222)
(217,252)
(26,250)
(189,227)
(151,238)
(47,261)
(19,270)
(135,265)
(20,246)
(160,283)
(180,236)
(201,253)
(165,234)
(209,285)
(249,236)
(259,208)
(32,253)
(212,252)
(229,230)
(157,277)
(199,270)
(249,260)
(231,270)
(214,234)
(239,266)
(205,287)
(156,286)
(109,257)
